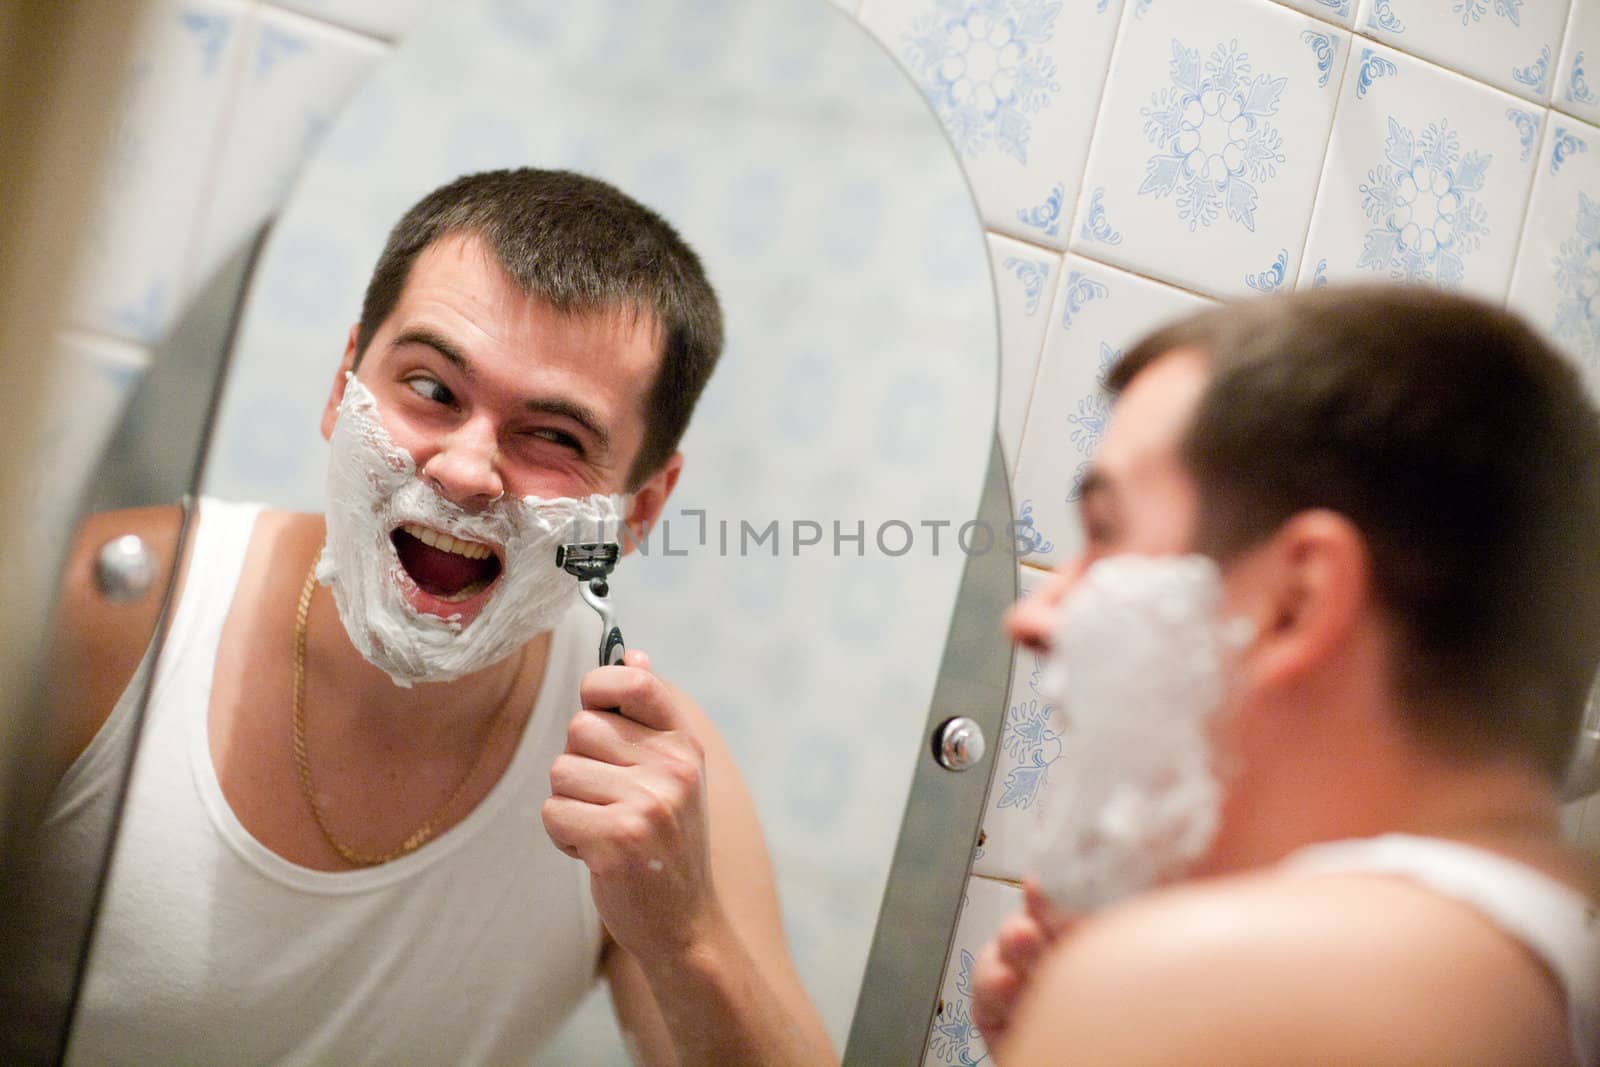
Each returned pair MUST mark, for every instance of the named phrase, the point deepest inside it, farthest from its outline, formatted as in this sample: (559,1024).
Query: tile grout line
(221,137)
(97,333)
(1527,208)
(1566,31)
(278,8)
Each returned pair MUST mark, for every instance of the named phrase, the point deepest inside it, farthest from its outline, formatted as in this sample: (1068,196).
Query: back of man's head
(1466,452)
(584,247)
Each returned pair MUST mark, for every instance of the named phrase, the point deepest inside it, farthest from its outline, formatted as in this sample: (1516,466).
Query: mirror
(801,582)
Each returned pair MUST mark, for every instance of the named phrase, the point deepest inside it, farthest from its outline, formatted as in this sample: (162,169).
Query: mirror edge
(933,855)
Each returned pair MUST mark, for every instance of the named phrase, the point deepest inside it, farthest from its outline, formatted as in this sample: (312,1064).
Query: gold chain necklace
(422,834)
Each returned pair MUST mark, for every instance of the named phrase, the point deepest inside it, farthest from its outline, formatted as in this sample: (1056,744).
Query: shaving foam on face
(373,488)
(1139,667)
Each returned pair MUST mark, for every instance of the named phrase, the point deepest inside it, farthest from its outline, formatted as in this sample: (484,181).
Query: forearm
(718,1005)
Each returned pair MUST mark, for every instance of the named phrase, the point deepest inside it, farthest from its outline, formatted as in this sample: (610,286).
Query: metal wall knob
(958,743)
(124,569)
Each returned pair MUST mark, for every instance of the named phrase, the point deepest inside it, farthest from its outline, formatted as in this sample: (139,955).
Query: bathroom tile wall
(1449,141)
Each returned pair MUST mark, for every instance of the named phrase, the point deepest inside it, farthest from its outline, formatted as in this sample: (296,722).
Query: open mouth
(443,566)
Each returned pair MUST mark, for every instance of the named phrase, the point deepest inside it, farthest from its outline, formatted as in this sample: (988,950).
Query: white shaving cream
(1139,667)
(373,488)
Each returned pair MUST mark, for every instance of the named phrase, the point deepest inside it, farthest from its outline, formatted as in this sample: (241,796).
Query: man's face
(494,392)
(1146,663)
(1137,497)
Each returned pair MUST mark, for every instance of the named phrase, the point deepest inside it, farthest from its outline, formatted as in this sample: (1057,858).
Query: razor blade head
(588,560)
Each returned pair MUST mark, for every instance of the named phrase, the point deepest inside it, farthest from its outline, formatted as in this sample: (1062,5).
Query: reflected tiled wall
(1131,159)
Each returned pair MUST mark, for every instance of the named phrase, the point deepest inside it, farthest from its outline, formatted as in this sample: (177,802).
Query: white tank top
(210,948)
(1559,925)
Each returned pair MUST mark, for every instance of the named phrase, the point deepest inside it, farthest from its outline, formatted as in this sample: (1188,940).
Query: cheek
(414,441)
(1162,523)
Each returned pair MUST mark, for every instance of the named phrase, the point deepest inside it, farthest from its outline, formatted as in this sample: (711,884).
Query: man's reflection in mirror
(386,808)
(1324,658)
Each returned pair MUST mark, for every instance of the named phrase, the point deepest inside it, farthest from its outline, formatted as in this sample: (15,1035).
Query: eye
(555,437)
(431,389)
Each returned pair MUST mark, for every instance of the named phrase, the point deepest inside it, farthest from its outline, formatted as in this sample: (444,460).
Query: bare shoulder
(1278,968)
(99,642)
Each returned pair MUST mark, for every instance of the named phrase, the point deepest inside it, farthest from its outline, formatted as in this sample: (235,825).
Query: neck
(433,715)
(1379,782)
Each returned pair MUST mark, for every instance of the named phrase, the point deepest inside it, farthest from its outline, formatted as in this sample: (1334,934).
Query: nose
(1031,622)
(466,468)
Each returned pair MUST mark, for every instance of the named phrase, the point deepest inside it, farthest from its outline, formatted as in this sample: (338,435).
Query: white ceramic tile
(1025,281)
(296,75)
(1583,820)
(1557,279)
(1016,84)
(1098,312)
(1508,43)
(1210,142)
(1427,178)
(90,380)
(1577,80)
(953,1041)
(1339,12)
(175,92)
(1572,819)
(1030,743)
(387,19)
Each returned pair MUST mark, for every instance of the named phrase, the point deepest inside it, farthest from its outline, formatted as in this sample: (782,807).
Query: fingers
(617,818)
(1019,942)
(602,735)
(1005,965)
(1055,921)
(1031,622)
(634,658)
(608,842)
(994,992)
(589,780)
(633,691)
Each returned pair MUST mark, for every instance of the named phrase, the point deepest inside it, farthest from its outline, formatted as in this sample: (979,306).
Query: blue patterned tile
(1576,84)
(1556,283)
(1098,311)
(298,76)
(1507,43)
(1210,141)
(131,283)
(953,1040)
(1016,84)
(1426,179)
(1025,282)
(1339,12)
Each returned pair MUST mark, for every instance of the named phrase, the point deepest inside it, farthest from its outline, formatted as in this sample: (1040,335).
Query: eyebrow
(560,406)
(1094,483)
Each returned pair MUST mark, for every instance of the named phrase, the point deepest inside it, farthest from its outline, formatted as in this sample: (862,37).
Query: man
(1396,494)
(331,851)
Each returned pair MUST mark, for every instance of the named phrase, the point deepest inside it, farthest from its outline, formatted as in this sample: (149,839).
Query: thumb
(635,658)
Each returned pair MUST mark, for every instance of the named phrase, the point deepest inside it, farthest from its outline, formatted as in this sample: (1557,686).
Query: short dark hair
(1467,453)
(585,247)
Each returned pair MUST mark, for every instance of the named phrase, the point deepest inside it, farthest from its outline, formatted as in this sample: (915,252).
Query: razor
(591,563)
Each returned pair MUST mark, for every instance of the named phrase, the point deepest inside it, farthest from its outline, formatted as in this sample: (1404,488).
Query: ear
(1308,590)
(336,394)
(649,500)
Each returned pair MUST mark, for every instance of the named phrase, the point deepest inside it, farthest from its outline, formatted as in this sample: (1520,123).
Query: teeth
(466,592)
(445,543)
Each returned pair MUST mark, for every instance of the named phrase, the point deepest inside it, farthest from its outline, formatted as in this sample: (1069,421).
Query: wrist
(701,949)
